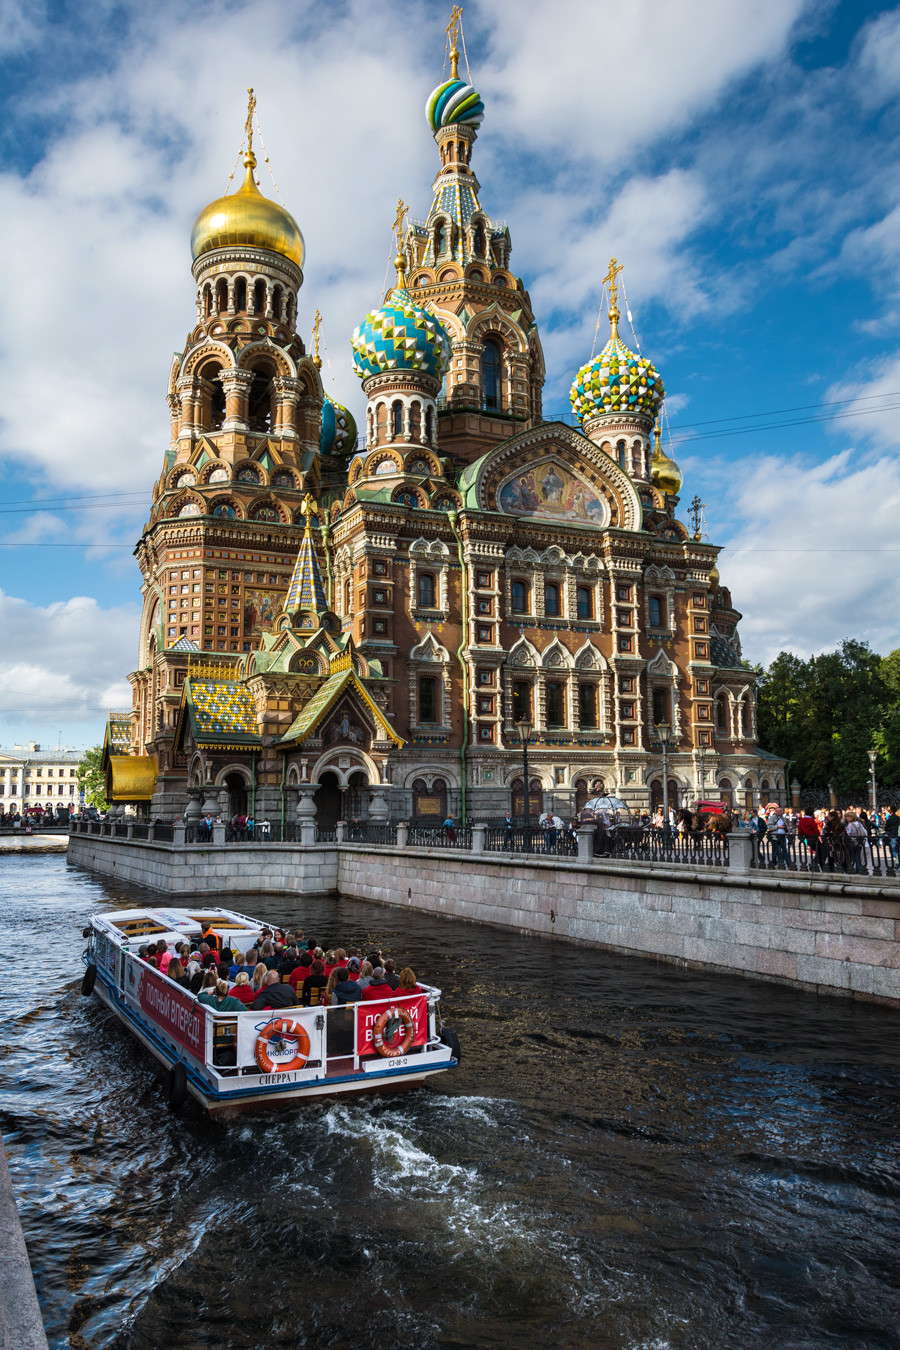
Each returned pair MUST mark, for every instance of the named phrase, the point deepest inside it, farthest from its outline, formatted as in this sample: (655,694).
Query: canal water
(631,1157)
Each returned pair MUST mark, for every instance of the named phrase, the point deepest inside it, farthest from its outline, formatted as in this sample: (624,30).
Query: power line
(803,407)
(780,426)
(89,497)
(95,544)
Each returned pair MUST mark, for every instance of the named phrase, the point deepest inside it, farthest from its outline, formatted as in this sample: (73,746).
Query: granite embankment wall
(829,934)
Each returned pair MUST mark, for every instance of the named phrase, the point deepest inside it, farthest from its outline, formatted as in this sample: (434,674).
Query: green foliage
(92,779)
(826,713)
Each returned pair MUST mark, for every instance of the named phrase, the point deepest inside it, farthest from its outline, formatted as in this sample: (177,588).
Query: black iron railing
(516,838)
(370,832)
(842,853)
(440,836)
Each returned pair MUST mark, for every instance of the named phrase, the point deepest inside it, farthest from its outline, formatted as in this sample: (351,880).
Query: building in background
(32,777)
(368,617)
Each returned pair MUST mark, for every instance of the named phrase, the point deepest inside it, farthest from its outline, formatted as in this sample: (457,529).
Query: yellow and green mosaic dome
(616,381)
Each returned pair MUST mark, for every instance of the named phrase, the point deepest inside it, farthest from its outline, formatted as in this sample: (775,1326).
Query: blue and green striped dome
(454,103)
(337,435)
(400,336)
(616,381)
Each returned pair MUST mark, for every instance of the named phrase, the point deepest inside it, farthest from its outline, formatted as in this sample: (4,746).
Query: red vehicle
(711,808)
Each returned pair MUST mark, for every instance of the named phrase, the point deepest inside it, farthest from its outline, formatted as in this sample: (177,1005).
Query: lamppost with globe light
(873,755)
(524,728)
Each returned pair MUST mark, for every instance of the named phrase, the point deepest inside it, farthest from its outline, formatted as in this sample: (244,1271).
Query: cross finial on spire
(248,125)
(309,508)
(400,260)
(452,31)
(609,280)
(696,511)
(317,324)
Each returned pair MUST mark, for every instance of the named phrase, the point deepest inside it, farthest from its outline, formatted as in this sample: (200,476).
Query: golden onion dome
(714,578)
(247,219)
(664,472)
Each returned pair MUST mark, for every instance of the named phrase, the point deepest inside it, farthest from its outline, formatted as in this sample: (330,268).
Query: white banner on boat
(268,1036)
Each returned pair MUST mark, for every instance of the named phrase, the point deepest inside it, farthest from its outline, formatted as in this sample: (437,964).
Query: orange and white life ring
(289,1036)
(385,1029)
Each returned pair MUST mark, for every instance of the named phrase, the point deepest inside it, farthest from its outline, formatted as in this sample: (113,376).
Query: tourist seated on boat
(391,977)
(376,958)
(365,974)
(219,999)
(378,986)
(257,979)
(274,994)
(289,962)
(345,989)
(196,979)
(314,986)
(330,961)
(408,982)
(267,956)
(163,956)
(177,972)
(302,970)
(242,989)
(207,956)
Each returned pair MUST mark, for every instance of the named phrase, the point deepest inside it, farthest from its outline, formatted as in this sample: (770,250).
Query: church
(371,618)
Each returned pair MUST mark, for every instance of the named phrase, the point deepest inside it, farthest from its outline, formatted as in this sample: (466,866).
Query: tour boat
(232,1061)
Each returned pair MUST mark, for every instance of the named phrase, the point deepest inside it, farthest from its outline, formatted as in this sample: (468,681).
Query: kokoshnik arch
(371,613)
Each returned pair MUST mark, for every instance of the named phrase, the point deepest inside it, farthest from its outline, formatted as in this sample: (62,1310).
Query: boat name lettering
(174,1012)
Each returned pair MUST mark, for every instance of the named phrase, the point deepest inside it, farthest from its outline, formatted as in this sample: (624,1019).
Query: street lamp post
(701,754)
(664,736)
(524,728)
(873,755)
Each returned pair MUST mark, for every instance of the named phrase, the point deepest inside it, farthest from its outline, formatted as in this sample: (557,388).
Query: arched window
(276,302)
(440,241)
(289,310)
(661,706)
(260,402)
(521,701)
(478,242)
(428,702)
(240,295)
(587,705)
(396,418)
(428,424)
(348,596)
(746,720)
(722,712)
(259,297)
(380,422)
(426,591)
(207,301)
(555,703)
(415,421)
(221,295)
(584,600)
(520,597)
(491,367)
(621,449)
(551,600)
(655,612)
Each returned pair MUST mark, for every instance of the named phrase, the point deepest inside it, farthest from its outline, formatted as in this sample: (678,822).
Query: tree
(91,778)
(887,738)
(825,713)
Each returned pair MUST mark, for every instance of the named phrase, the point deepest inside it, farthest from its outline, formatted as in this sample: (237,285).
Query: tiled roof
(722,654)
(221,711)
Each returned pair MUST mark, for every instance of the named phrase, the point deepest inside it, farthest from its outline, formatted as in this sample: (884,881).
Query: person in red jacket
(242,989)
(378,987)
(808,833)
(408,984)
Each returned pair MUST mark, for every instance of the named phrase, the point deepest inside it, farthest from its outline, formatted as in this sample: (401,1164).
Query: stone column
(740,850)
(306,813)
(341,831)
(287,392)
(178,834)
(193,811)
(186,391)
(378,807)
(236,384)
(479,830)
(585,835)
(219,833)
(403,834)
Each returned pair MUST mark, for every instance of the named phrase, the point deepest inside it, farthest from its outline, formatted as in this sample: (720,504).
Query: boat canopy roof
(135,926)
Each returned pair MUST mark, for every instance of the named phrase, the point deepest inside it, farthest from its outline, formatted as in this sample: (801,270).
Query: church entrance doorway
(656,794)
(358,796)
(328,801)
(236,787)
(535,797)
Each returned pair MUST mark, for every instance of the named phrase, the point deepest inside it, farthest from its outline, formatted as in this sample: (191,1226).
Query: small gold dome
(247,218)
(665,473)
(714,578)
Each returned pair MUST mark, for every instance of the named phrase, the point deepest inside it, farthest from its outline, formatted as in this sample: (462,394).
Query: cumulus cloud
(64,662)
(812,551)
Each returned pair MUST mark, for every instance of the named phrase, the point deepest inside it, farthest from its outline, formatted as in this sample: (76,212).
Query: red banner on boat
(178,1014)
(394,1031)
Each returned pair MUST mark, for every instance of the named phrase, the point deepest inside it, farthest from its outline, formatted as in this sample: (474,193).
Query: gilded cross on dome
(609,280)
(248,125)
(317,324)
(400,260)
(309,508)
(452,32)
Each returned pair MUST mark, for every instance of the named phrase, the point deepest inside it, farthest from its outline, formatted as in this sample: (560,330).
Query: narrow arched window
(221,295)
(426,591)
(620,454)
(440,245)
(655,612)
(491,367)
(240,294)
(551,600)
(207,301)
(428,424)
(397,418)
(259,297)
(722,713)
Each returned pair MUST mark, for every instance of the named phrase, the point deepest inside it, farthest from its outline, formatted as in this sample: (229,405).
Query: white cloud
(603,81)
(874,412)
(63,662)
(879,59)
(814,555)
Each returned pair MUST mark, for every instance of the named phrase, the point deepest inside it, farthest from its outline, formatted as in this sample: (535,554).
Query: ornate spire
(317,325)
(452,31)
(615,268)
(400,260)
(306,591)
(249,157)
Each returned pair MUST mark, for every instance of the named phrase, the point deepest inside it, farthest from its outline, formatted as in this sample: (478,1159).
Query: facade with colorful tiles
(361,621)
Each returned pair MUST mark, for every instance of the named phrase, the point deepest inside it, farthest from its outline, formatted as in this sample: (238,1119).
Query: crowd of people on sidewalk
(284,970)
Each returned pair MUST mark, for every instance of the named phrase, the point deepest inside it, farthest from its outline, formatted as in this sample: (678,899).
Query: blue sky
(739,159)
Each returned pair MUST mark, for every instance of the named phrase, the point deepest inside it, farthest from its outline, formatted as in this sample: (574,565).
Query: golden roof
(247,218)
(133,777)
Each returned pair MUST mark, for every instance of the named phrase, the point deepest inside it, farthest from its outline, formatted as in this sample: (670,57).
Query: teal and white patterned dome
(400,336)
(337,434)
(616,381)
(454,103)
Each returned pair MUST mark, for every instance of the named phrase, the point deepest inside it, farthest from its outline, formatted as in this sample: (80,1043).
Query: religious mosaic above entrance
(551,490)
